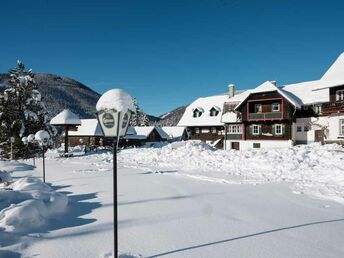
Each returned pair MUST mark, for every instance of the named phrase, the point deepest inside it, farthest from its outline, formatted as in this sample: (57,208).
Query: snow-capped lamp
(42,137)
(114,109)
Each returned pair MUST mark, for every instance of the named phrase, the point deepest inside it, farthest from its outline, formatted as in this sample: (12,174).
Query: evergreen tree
(140,118)
(22,112)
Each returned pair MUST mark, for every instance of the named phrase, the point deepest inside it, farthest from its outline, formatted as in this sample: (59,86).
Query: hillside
(60,92)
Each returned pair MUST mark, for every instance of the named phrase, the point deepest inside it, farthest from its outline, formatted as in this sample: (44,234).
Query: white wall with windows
(304,128)
(258,144)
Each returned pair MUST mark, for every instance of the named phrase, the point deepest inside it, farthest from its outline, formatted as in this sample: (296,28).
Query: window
(278,129)
(213,130)
(317,109)
(341,126)
(257,108)
(275,107)
(197,130)
(339,95)
(299,129)
(234,129)
(197,113)
(256,145)
(214,112)
(306,128)
(255,129)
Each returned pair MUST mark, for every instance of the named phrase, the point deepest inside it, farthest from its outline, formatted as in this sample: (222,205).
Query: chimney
(274,83)
(231,90)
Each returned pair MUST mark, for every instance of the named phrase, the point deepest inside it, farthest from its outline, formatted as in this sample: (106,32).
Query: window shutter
(251,128)
(283,129)
(260,129)
(273,130)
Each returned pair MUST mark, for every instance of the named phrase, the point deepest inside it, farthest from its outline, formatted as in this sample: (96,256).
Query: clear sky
(169,52)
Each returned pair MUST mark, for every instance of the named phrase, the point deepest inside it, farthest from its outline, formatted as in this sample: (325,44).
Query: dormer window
(339,95)
(197,112)
(214,111)
(275,107)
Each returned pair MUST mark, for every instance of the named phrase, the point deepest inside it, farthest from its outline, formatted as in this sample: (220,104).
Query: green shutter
(251,130)
(283,129)
(273,130)
(260,129)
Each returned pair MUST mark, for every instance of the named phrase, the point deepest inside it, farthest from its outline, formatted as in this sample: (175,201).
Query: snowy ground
(187,200)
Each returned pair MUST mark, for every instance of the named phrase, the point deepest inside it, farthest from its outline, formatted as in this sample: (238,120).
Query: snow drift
(312,169)
(27,204)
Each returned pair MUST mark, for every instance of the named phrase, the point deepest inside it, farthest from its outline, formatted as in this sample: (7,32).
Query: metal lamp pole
(43,164)
(115,198)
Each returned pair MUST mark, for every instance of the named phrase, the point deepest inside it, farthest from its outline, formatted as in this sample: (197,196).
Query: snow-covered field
(179,200)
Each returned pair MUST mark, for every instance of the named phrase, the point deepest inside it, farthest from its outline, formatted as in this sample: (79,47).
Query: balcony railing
(265,116)
(333,107)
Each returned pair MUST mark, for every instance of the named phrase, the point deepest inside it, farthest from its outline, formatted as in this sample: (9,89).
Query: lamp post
(114,110)
(42,137)
(31,139)
(12,140)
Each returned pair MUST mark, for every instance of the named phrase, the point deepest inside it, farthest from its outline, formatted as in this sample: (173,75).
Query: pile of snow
(116,99)
(27,204)
(312,169)
(5,177)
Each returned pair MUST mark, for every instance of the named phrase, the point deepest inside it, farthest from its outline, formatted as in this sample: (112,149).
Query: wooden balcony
(332,107)
(265,116)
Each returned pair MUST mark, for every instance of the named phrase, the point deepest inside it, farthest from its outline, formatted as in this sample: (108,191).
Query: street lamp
(114,109)
(42,137)
(26,141)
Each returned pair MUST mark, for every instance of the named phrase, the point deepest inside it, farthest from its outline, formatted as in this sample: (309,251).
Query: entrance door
(235,146)
(319,136)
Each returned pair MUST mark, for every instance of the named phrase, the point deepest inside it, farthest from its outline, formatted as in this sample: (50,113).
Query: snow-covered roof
(336,71)
(269,87)
(139,132)
(116,99)
(66,117)
(88,127)
(205,104)
(307,92)
(171,132)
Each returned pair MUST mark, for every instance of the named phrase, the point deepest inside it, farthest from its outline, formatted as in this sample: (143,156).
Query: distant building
(272,117)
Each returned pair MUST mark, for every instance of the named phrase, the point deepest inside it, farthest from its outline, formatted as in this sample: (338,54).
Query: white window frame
(197,130)
(339,95)
(278,129)
(278,107)
(234,129)
(341,126)
(299,127)
(213,130)
(256,110)
(255,127)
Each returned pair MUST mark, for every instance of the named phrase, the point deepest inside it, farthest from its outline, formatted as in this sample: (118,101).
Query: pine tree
(134,120)
(22,112)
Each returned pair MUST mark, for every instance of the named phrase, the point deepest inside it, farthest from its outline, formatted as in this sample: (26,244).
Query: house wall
(265,144)
(205,133)
(317,123)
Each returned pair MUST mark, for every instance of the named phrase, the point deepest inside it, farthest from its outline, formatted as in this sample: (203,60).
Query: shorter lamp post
(31,139)
(26,141)
(42,137)
(114,109)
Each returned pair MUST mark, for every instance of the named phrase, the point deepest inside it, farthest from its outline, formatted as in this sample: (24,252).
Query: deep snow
(190,200)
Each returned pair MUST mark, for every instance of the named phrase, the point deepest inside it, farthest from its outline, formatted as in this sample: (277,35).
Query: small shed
(69,121)
(89,131)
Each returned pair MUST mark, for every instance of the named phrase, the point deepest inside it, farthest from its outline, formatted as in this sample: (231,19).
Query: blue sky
(167,53)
